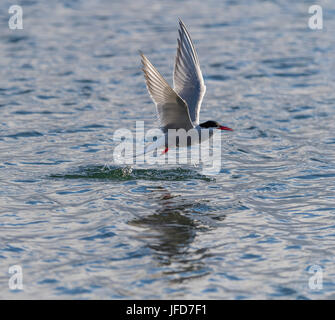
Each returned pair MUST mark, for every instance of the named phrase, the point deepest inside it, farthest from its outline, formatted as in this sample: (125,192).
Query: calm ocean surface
(72,77)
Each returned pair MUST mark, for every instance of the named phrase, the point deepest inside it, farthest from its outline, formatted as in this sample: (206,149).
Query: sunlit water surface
(80,229)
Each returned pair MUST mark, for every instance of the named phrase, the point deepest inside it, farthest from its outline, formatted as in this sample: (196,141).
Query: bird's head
(214,125)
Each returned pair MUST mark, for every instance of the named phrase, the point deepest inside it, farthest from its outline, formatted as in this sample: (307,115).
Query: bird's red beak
(225,128)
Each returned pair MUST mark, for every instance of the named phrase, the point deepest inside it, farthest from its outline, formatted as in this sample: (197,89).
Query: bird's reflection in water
(170,234)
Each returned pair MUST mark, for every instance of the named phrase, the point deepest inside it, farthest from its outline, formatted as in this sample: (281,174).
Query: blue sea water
(72,77)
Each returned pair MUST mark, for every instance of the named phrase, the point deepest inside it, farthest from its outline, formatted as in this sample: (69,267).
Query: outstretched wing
(187,79)
(172,110)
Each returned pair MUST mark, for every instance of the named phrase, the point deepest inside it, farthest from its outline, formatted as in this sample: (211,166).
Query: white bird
(179,108)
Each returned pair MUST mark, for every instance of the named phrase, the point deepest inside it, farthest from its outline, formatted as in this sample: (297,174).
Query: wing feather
(188,80)
(172,110)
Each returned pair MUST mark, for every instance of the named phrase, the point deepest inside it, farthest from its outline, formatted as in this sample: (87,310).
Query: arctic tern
(179,108)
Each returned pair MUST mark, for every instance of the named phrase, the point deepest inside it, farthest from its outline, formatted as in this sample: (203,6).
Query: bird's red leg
(165,150)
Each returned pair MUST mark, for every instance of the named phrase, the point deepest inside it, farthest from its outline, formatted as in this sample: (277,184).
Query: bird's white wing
(187,79)
(172,110)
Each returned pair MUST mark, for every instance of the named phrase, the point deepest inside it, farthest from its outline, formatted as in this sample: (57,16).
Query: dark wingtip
(181,23)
